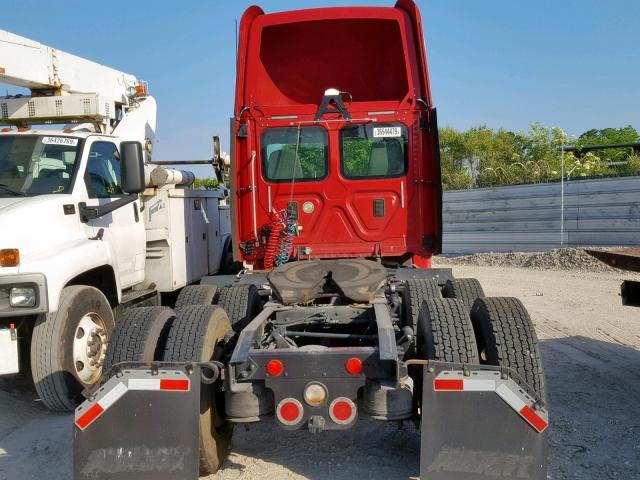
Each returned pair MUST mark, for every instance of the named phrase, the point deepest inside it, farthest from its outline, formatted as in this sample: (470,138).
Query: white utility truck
(89,225)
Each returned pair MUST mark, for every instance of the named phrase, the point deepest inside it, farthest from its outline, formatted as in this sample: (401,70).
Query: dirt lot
(591,350)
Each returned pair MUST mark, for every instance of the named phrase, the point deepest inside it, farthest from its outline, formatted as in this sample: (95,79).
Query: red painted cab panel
(334,137)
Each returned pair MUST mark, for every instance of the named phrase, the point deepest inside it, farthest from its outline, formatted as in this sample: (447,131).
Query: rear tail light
(353,366)
(289,411)
(342,411)
(275,368)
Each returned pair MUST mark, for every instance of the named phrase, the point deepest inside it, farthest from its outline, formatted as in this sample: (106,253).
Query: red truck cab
(334,138)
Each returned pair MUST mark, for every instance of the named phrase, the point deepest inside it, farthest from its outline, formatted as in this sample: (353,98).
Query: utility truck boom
(89,224)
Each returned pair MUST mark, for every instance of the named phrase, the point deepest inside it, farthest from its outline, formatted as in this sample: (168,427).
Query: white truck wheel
(68,347)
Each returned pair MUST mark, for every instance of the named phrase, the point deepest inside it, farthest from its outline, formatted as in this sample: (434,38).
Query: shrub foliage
(484,157)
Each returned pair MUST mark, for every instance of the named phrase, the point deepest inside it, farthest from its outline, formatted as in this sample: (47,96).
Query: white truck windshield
(36,165)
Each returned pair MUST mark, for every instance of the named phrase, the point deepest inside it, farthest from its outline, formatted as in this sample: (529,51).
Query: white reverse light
(315,394)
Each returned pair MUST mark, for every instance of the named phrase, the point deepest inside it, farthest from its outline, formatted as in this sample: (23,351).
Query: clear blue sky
(504,63)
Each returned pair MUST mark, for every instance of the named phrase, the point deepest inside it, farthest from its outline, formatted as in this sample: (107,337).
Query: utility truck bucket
(478,424)
(142,424)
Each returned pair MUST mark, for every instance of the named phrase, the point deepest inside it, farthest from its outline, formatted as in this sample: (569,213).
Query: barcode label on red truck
(387,132)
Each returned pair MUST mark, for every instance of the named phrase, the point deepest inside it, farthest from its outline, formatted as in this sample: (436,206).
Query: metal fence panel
(602,212)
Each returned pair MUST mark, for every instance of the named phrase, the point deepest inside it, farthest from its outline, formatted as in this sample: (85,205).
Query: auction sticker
(72,142)
(387,132)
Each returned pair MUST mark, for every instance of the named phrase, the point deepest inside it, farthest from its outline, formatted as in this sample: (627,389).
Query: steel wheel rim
(89,348)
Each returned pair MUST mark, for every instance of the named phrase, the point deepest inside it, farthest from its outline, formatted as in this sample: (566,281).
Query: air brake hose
(276,227)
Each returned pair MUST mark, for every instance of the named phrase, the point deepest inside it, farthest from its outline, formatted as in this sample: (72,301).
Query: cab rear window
(294,154)
(374,150)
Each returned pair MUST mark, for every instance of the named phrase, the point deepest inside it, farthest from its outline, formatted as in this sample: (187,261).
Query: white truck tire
(68,347)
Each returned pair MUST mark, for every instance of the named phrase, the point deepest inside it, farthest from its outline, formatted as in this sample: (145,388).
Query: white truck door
(124,227)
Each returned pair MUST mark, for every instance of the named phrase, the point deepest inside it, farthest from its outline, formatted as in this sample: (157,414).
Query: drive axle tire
(416,291)
(68,347)
(241,302)
(506,337)
(139,336)
(196,335)
(464,289)
(228,266)
(196,295)
(445,332)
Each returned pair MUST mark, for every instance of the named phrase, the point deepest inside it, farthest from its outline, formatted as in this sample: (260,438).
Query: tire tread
(465,289)
(196,295)
(445,322)
(241,302)
(416,291)
(512,341)
(185,343)
(131,334)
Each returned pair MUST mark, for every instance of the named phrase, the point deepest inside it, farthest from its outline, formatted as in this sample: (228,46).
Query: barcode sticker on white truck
(72,142)
(387,132)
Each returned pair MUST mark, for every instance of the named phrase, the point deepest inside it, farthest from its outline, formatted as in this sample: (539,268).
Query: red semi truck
(334,125)
(336,203)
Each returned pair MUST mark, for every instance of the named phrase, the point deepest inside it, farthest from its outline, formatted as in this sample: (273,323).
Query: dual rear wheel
(489,330)
(241,302)
(193,332)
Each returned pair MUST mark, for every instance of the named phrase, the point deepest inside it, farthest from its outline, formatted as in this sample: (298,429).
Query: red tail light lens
(353,366)
(275,368)
(342,411)
(289,411)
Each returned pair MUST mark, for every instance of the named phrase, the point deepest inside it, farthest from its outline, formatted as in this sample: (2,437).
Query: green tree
(484,157)
(206,183)
(611,136)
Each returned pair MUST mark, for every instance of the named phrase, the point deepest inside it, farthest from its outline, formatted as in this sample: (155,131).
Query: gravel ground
(574,259)
(591,350)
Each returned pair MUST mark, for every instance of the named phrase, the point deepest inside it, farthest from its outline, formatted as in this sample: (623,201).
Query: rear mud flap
(480,425)
(141,425)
